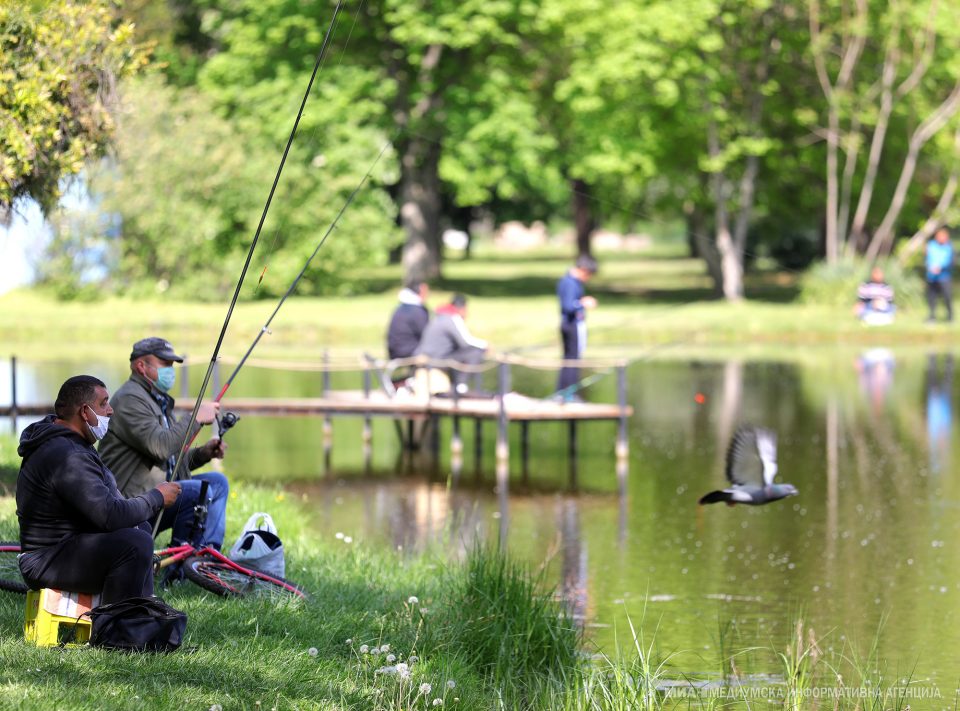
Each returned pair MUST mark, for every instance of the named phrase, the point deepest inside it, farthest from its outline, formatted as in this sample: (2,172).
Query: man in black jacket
(77,531)
(408,321)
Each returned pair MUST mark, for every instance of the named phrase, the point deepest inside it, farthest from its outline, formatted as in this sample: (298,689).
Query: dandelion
(216,707)
(339,535)
(403,671)
(438,701)
(313,651)
(425,688)
(391,658)
(384,648)
(364,649)
(412,600)
(348,539)
(413,659)
(451,684)
(349,641)
(375,651)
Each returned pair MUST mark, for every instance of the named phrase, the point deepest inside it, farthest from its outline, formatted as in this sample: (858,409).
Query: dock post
(13,393)
(623,446)
(367,423)
(525,450)
(477,442)
(327,421)
(503,439)
(185,379)
(456,442)
(573,452)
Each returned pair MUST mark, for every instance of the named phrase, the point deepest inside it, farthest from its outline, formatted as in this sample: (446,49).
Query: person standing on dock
(144,437)
(573,321)
(408,321)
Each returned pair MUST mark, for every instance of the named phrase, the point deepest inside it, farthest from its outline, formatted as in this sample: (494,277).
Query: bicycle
(205,566)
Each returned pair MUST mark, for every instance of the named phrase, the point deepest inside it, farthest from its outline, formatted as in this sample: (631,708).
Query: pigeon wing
(767,447)
(745,466)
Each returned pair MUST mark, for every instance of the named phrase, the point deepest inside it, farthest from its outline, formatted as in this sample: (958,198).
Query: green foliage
(9,464)
(59,66)
(836,285)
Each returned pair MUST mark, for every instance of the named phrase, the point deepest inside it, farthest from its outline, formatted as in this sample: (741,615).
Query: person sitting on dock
(446,338)
(875,300)
(144,439)
(409,320)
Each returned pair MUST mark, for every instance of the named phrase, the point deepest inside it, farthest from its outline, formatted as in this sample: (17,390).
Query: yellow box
(52,617)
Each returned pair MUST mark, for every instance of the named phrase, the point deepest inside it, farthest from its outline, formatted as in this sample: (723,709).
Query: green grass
(646,298)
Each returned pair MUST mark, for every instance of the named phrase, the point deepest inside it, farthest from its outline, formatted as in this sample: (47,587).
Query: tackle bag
(138,624)
(259,547)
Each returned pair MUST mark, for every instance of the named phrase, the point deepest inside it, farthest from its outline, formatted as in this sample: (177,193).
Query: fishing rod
(321,54)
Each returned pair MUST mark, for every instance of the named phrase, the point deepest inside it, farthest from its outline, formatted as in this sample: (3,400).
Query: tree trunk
(420,210)
(583,218)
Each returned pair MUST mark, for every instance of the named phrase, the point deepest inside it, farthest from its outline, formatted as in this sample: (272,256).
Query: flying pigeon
(751,468)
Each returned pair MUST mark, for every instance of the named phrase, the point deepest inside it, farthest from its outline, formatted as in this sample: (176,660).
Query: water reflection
(939,386)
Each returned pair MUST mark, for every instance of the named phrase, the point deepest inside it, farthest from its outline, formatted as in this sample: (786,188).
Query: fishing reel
(225,421)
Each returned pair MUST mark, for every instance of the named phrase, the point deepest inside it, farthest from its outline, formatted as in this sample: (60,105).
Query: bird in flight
(751,469)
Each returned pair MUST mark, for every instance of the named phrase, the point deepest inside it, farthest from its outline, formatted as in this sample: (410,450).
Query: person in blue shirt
(573,323)
(939,263)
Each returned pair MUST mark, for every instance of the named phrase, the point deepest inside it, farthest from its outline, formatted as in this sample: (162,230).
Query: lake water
(872,538)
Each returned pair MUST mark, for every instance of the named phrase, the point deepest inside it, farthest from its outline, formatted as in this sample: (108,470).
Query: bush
(836,284)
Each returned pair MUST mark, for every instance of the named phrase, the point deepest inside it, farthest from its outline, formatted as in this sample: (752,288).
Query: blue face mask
(165,378)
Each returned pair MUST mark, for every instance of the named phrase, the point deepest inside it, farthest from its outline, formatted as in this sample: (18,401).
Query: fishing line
(246,265)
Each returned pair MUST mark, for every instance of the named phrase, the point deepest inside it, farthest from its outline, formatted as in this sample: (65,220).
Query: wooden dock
(422,413)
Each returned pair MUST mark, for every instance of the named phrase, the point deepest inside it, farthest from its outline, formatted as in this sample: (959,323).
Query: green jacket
(140,446)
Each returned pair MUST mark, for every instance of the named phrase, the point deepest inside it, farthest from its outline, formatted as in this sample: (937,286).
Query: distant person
(408,321)
(939,263)
(144,439)
(573,321)
(446,337)
(77,532)
(875,305)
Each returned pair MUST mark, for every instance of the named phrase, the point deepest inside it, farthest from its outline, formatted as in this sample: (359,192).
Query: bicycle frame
(176,554)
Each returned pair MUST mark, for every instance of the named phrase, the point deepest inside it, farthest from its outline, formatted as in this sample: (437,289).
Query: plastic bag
(259,547)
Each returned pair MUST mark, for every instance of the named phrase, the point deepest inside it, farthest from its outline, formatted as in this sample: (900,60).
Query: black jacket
(64,489)
(406,327)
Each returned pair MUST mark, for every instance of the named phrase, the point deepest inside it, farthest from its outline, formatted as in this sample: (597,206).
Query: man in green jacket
(141,445)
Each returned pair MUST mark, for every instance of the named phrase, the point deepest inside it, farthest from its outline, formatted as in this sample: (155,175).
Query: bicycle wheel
(10,578)
(220,578)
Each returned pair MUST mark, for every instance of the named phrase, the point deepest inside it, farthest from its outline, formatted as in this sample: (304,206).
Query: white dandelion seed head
(413,600)
(413,659)
(451,684)
(425,688)
(364,648)
(384,647)
(349,641)
(438,701)
(391,658)
(313,651)
(375,650)
(348,539)
(216,707)
(339,535)
(402,667)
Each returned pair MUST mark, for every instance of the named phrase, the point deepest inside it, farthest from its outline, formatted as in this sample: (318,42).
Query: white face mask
(100,429)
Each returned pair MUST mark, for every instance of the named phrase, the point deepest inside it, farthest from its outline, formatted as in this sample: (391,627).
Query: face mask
(100,429)
(165,378)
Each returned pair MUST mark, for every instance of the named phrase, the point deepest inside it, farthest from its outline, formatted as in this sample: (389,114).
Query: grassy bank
(646,299)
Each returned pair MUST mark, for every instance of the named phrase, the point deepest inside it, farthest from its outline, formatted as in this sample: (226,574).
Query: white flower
(402,667)
(349,641)
(375,650)
(384,648)
(313,651)
(339,535)
(451,684)
(438,701)
(348,539)
(216,707)
(413,600)
(425,688)
(413,659)
(391,658)
(364,649)
(386,670)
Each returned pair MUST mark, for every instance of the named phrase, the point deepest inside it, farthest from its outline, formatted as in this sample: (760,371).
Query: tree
(59,66)
(917,91)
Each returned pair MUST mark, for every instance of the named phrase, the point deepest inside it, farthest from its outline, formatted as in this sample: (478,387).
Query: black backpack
(139,624)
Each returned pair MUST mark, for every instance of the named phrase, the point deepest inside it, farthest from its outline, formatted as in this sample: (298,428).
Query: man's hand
(170,491)
(588,302)
(215,448)
(208,412)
